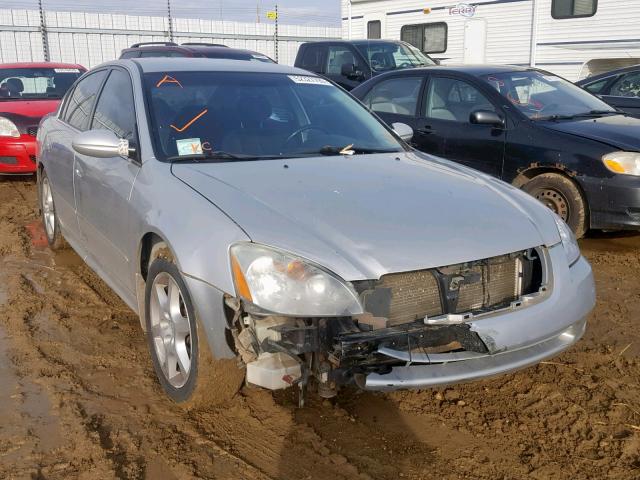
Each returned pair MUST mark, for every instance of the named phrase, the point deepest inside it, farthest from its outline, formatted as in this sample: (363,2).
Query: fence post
(170,20)
(276,33)
(43,32)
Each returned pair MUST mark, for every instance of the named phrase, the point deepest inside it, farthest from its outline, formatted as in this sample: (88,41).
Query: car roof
(191,64)
(475,70)
(40,65)
(608,74)
(353,42)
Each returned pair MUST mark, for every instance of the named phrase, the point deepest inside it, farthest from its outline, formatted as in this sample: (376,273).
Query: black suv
(349,63)
(208,50)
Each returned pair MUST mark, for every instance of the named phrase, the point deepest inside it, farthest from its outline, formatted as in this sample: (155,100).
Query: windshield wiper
(591,113)
(328,150)
(218,156)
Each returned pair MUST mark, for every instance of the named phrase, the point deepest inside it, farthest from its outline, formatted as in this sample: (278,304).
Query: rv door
(475,40)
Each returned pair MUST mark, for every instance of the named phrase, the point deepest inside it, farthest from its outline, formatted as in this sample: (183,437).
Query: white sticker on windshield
(309,80)
(551,78)
(66,70)
(189,146)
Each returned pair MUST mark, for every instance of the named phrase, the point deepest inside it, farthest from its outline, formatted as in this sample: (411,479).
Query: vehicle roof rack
(142,44)
(204,44)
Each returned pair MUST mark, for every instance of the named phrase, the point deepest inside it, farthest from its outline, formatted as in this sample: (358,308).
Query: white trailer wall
(92,38)
(572,47)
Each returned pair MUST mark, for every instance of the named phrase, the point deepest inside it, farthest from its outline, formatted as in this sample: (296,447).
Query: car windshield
(543,96)
(384,56)
(236,116)
(36,83)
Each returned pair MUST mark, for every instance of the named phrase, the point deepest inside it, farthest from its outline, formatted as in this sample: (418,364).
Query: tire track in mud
(79,351)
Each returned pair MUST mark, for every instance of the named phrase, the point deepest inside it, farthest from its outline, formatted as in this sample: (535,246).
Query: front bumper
(18,155)
(614,202)
(514,339)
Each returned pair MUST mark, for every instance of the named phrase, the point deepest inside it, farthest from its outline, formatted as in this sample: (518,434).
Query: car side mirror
(486,117)
(102,144)
(404,131)
(350,71)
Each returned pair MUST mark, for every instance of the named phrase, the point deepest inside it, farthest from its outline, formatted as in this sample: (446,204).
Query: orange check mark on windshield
(190,122)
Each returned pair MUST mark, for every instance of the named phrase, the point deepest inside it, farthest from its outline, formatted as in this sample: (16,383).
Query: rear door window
(312,58)
(83,99)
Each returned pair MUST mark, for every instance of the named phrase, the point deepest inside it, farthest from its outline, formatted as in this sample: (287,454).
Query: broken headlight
(569,242)
(283,283)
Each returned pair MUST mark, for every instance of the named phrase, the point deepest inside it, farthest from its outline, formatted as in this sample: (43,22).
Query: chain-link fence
(90,38)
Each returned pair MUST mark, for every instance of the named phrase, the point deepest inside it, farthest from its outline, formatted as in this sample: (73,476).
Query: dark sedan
(530,128)
(619,88)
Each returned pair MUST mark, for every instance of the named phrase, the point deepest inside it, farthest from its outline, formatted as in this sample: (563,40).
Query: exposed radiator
(476,286)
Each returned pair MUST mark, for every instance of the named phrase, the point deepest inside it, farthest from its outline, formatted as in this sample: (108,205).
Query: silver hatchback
(267,228)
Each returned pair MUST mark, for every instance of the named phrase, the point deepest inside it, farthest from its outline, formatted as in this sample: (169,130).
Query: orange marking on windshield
(168,79)
(190,122)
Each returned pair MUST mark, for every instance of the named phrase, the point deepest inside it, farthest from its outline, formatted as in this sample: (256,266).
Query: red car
(28,91)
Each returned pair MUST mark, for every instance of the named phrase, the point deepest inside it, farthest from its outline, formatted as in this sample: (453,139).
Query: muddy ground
(78,397)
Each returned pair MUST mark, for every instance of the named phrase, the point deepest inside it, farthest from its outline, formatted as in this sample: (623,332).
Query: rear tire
(178,345)
(50,220)
(562,196)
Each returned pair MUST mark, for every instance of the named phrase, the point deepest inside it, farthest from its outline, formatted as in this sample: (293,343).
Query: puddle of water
(24,406)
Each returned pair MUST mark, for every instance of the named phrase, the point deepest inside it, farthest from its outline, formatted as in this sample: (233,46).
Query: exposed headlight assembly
(282,283)
(625,163)
(569,242)
(8,128)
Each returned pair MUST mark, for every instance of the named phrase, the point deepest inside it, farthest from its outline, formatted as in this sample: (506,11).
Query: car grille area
(472,287)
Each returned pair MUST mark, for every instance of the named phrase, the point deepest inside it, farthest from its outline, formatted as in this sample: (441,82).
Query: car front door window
(627,86)
(114,110)
(454,100)
(395,95)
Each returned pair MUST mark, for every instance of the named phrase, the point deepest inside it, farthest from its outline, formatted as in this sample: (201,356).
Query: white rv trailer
(572,38)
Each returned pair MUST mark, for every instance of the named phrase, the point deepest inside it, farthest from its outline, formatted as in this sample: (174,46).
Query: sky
(304,12)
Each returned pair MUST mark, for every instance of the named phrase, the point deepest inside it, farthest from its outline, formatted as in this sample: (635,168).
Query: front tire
(177,342)
(50,220)
(563,197)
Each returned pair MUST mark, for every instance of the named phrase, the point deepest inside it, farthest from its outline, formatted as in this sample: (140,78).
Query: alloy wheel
(48,210)
(170,329)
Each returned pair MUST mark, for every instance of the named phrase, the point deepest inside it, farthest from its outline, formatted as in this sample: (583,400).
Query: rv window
(374,29)
(428,37)
(561,9)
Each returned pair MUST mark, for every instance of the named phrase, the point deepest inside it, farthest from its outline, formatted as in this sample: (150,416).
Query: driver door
(103,185)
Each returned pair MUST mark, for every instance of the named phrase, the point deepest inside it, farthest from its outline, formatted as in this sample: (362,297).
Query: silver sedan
(267,228)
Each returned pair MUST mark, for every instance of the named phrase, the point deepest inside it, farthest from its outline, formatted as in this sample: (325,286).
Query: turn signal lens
(624,163)
(242,287)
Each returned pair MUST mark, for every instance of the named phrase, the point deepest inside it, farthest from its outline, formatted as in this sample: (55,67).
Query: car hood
(29,108)
(619,131)
(368,215)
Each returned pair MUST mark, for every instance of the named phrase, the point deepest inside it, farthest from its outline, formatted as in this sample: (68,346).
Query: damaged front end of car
(294,321)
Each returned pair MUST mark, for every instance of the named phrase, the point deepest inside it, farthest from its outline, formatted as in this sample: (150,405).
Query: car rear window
(35,83)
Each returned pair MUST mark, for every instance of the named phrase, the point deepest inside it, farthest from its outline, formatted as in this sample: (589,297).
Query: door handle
(426,130)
